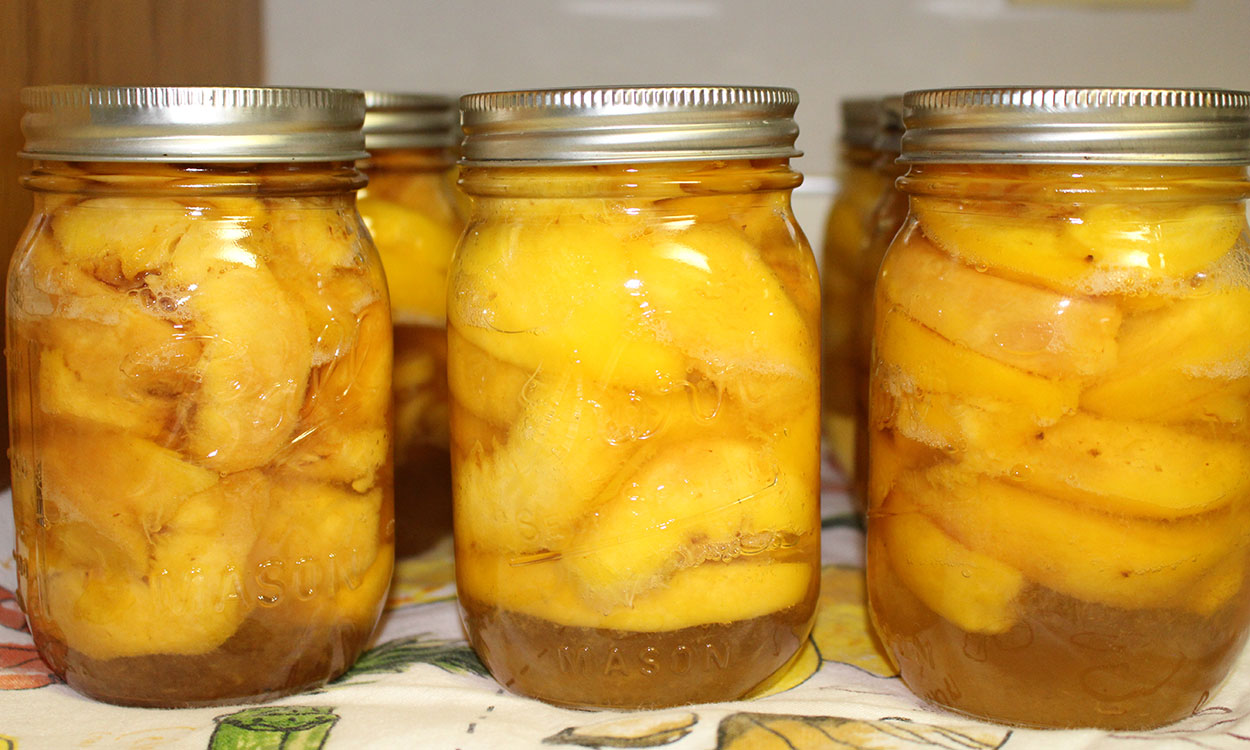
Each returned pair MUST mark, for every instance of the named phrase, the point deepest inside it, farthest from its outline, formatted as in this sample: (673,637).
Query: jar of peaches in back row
(633,341)
(415,212)
(199,351)
(1059,500)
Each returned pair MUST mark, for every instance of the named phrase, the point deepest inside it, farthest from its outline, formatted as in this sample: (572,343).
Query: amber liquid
(598,667)
(244,669)
(1065,663)
(422,454)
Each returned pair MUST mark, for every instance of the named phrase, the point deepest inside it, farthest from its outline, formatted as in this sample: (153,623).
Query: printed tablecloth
(420,686)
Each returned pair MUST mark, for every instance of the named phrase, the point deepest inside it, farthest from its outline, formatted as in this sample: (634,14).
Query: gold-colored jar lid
(404,120)
(192,124)
(624,124)
(1077,126)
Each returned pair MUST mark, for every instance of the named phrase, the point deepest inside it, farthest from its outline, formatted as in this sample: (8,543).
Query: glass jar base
(1065,664)
(250,667)
(602,668)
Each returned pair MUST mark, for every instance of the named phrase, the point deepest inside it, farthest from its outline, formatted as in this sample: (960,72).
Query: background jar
(1060,461)
(199,349)
(633,359)
(415,213)
(847,229)
(884,220)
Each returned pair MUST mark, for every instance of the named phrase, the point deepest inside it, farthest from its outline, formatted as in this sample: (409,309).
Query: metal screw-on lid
(395,120)
(1078,125)
(624,124)
(889,132)
(860,117)
(192,124)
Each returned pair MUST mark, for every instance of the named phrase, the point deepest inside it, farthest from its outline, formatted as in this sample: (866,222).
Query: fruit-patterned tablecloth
(420,686)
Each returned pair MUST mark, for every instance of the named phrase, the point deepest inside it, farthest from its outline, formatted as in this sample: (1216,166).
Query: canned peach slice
(927,362)
(192,595)
(1119,466)
(1188,359)
(556,295)
(416,250)
(714,592)
(488,387)
(1118,560)
(972,590)
(126,487)
(257,354)
(709,499)
(716,300)
(1210,593)
(892,454)
(1026,326)
(79,374)
(1096,249)
(951,423)
(132,234)
(355,386)
(316,545)
(529,493)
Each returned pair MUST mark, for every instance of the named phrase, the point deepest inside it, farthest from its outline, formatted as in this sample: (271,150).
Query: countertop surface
(421,686)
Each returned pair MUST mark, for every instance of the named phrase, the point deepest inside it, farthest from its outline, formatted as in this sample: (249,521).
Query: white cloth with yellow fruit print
(421,686)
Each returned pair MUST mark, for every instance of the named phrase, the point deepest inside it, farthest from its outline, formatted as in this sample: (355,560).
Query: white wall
(827,49)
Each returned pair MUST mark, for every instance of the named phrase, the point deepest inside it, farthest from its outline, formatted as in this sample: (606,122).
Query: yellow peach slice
(973,591)
(125,487)
(342,432)
(192,596)
(126,236)
(1136,468)
(1119,561)
(490,388)
(527,495)
(713,297)
(257,355)
(916,359)
(318,544)
(1022,325)
(415,251)
(714,592)
(1181,360)
(1095,249)
(702,500)
(560,295)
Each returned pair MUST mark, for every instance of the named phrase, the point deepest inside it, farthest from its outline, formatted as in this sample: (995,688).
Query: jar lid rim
(624,124)
(224,124)
(395,119)
(1098,125)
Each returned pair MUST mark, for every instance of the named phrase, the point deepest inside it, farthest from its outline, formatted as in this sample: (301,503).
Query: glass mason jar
(633,359)
(884,221)
(847,229)
(415,213)
(199,354)
(1060,458)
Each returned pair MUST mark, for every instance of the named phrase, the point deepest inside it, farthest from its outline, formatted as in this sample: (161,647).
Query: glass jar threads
(415,213)
(633,359)
(199,370)
(1060,458)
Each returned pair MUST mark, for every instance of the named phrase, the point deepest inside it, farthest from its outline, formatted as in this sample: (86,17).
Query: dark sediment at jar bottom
(259,662)
(1065,663)
(593,667)
(422,499)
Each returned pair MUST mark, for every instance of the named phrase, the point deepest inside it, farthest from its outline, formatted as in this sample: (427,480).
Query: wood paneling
(145,42)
